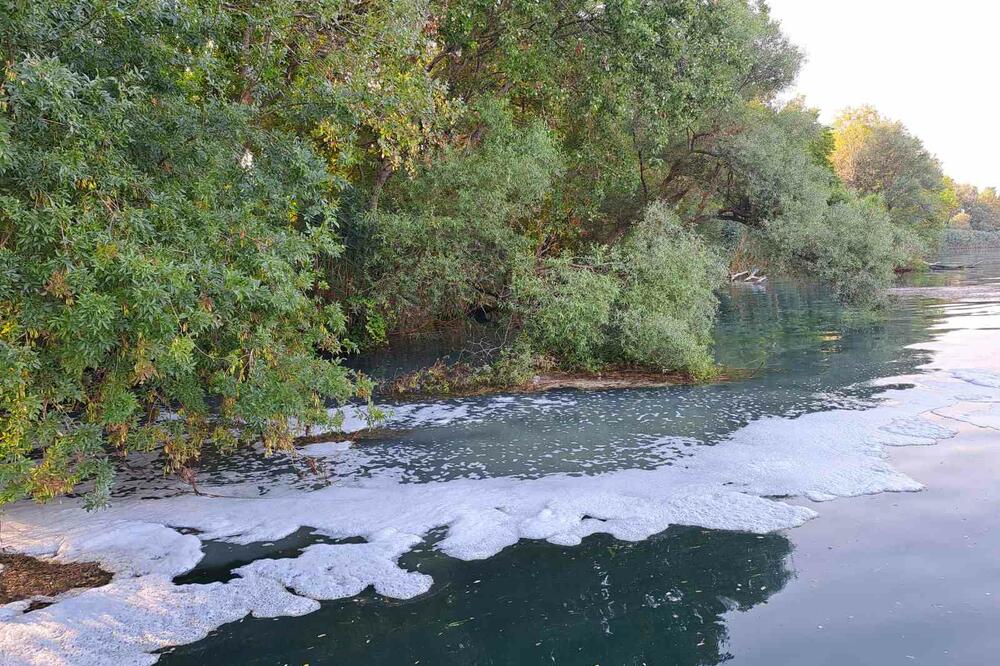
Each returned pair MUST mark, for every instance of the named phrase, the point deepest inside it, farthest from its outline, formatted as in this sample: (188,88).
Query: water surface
(888,579)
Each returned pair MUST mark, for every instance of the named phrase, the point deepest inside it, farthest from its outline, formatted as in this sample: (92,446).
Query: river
(884,579)
(875,578)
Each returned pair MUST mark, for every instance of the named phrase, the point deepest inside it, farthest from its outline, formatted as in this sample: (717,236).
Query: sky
(929,64)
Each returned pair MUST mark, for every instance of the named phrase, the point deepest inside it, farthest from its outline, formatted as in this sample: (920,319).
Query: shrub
(648,302)
(569,311)
(157,263)
(965,239)
(666,308)
(449,241)
(851,244)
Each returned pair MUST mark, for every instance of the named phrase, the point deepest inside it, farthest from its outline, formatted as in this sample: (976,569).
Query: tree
(159,245)
(976,209)
(593,97)
(875,156)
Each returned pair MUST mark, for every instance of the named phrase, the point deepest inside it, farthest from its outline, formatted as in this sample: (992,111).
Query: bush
(851,244)
(569,312)
(157,263)
(448,241)
(666,308)
(648,302)
(970,239)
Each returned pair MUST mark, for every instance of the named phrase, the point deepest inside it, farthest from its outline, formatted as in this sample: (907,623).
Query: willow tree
(159,241)
(594,97)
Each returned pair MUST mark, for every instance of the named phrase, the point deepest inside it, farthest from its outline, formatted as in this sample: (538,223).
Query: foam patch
(978,377)
(921,429)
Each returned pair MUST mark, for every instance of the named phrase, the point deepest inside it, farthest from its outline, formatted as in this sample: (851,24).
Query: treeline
(972,208)
(204,206)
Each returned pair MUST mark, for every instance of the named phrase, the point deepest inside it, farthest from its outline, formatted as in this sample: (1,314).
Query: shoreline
(409,387)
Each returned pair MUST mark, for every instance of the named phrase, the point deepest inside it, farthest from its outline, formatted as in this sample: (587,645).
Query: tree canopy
(878,157)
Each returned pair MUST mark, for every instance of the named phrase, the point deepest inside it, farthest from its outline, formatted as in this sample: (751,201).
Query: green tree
(159,244)
(875,156)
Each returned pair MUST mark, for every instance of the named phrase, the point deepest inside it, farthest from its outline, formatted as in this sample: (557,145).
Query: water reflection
(659,601)
(806,353)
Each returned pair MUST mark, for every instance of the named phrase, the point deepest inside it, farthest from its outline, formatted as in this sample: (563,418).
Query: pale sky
(929,64)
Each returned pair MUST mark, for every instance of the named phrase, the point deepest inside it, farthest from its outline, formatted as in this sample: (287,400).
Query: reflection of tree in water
(801,331)
(607,602)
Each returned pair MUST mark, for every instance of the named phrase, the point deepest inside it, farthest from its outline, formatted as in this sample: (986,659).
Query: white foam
(978,377)
(122,545)
(323,449)
(124,621)
(979,415)
(326,571)
(729,486)
(915,431)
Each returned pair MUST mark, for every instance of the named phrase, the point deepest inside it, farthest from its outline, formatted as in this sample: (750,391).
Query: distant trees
(876,156)
(975,209)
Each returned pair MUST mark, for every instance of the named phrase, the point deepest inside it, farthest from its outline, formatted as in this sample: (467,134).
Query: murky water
(882,580)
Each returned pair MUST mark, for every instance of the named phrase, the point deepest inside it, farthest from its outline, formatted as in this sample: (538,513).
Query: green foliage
(773,166)
(569,109)
(852,245)
(568,308)
(648,302)
(451,237)
(666,310)
(966,239)
(980,208)
(781,187)
(158,244)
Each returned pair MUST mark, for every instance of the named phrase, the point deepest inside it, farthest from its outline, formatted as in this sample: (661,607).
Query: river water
(882,579)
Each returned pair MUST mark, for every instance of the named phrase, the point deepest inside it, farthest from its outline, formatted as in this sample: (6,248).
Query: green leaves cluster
(159,245)
(648,302)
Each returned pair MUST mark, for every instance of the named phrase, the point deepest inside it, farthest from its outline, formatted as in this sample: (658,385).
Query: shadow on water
(659,601)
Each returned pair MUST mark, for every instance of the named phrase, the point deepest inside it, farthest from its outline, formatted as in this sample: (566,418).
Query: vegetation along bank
(205,207)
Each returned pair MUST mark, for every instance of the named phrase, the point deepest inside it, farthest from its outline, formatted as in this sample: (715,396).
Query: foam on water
(980,415)
(123,622)
(978,377)
(915,431)
(737,483)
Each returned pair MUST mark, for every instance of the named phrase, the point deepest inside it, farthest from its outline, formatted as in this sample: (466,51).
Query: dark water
(879,580)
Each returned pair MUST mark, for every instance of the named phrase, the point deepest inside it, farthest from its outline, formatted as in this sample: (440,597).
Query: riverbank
(461,380)
(965,240)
